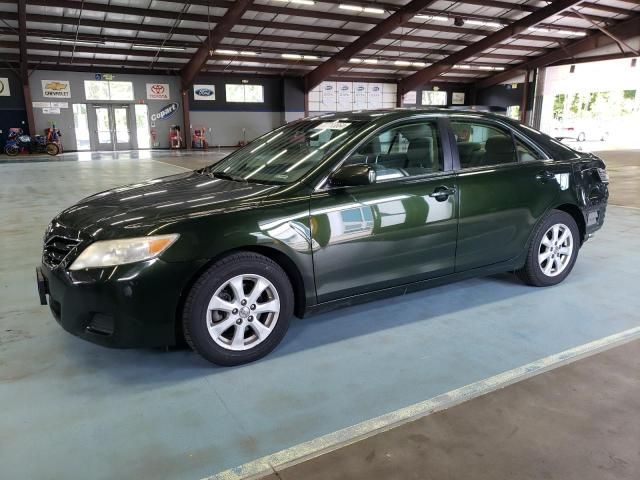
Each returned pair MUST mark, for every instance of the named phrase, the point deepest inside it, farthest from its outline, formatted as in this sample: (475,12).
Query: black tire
(194,315)
(532,273)
(12,150)
(581,137)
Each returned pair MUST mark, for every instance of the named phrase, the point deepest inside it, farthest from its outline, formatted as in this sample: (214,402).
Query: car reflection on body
(322,212)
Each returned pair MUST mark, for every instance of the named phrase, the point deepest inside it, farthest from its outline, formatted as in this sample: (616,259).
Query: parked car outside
(323,212)
(581,131)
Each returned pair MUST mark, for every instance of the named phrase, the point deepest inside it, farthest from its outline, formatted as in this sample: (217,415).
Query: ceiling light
(250,54)
(355,60)
(419,64)
(300,2)
(292,56)
(158,47)
(402,63)
(357,8)
(465,67)
(437,18)
(72,42)
(371,61)
(309,57)
(482,23)
(227,52)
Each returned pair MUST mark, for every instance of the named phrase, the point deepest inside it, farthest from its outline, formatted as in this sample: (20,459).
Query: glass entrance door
(113,131)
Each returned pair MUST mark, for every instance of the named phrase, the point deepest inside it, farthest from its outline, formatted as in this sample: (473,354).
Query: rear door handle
(545,176)
(442,193)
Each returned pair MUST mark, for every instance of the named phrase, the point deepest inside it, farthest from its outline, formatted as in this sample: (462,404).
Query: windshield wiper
(228,176)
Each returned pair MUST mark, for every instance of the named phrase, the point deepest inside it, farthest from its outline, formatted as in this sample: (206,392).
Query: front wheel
(52,149)
(553,250)
(12,150)
(238,310)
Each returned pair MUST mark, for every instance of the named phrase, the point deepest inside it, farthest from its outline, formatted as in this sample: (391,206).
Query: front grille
(58,246)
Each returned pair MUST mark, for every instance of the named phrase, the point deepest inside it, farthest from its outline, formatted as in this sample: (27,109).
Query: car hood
(154,201)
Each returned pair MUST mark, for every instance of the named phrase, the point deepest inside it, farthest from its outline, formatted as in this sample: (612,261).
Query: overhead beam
(166,14)
(388,25)
(446,64)
(219,32)
(118,25)
(627,29)
(270,38)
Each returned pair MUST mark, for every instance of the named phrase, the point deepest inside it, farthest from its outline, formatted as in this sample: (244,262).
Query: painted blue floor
(74,410)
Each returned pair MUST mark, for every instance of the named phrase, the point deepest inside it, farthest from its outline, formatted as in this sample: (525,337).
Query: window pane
(142,125)
(94,90)
(407,150)
(235,93)
(433,97)
(480,144)
(526,154)
(253,93)
(81,124)
(121,90)
(120,117)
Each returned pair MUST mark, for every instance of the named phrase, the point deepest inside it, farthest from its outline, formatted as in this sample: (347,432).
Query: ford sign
(204,92)
(165,112)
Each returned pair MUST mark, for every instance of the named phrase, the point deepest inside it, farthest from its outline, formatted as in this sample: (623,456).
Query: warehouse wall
(231,122)
(12,111)
(64,120)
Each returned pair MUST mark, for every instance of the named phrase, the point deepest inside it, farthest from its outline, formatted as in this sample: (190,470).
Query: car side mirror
(353,175)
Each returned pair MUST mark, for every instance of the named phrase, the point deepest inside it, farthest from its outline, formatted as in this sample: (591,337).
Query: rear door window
(481,145)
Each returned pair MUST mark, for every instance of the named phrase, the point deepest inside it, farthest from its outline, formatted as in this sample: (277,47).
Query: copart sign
(165,112)
(56,88)
(158,91)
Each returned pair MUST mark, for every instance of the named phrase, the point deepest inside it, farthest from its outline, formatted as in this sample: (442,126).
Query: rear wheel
(238,310)
(12,150)
(52,149)
(553,250)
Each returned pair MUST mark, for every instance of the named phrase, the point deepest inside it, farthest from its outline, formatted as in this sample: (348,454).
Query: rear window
(554,148)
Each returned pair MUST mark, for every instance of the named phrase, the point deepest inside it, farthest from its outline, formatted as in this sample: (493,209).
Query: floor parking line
(341,438)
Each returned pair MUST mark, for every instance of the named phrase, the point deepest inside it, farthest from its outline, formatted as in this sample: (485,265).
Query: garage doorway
(112,127)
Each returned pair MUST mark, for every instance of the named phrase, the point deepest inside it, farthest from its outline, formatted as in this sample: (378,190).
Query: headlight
(108,253)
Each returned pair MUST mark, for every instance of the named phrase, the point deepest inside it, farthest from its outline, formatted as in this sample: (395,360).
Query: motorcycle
(18,142)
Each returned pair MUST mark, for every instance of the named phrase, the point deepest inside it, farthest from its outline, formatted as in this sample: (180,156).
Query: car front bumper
(133,305)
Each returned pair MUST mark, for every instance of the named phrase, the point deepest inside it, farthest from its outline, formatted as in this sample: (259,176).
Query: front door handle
(545,176)
(442,193)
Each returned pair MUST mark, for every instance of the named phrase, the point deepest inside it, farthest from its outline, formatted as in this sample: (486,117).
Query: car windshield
(286,154)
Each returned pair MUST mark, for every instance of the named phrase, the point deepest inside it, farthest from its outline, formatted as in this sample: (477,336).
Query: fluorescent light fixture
(483,23)
(402,63)
(158,47)
(299,2)
(235,52)
(72,42)
(558,31)
(371,61)
(357,8)
(355,60)
(437,18)
(465,67)
(419,64)
(297,56)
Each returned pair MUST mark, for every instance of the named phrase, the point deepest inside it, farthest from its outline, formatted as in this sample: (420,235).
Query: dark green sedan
(322,212)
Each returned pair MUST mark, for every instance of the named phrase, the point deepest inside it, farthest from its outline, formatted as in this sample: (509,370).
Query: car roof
(398,113)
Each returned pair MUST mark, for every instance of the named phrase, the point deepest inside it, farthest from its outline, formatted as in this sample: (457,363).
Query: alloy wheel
(243,312)
(556,249)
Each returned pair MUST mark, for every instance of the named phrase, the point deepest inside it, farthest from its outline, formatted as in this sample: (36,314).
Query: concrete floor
(70,407)
(578,422)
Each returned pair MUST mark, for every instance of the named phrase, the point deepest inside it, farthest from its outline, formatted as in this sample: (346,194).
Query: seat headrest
(499,145)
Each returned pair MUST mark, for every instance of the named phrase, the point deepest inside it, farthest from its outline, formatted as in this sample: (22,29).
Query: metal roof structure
(411,42)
